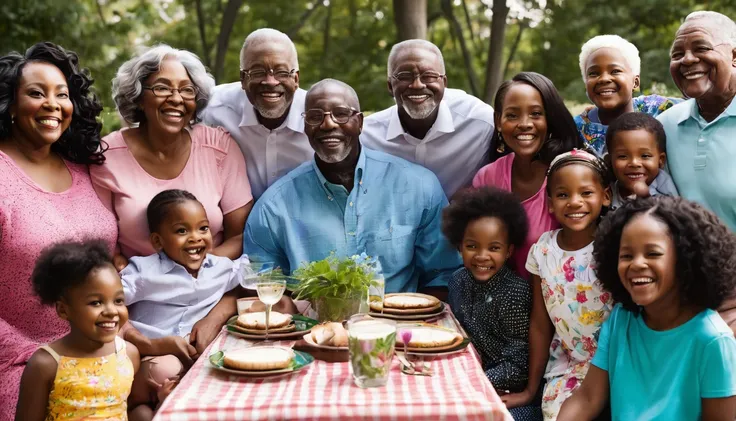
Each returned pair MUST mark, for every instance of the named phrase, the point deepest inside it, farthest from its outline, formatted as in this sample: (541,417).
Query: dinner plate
(300,361)
(288,328)
(434,302)
(457,342)
(308,339)
(411,316)
(235,330)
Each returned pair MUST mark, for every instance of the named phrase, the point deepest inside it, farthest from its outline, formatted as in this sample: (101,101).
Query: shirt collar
(168,265)
(694,113)
(294,120)
(443,123)
(359,172)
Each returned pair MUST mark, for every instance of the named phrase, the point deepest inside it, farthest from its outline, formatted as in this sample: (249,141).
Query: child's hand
(514,400)
(163,390)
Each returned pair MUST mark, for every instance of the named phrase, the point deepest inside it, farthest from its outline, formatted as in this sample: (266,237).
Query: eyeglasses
(409,77)
(259,75)
(163,91)
(339,115)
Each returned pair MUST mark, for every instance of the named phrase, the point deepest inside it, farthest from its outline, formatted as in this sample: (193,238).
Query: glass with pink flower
(371,345)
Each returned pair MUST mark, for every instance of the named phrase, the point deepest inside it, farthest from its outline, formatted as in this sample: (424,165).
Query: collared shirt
(393,212)
(163,299)
(269,154)
(456,146)
(661,185)
(701,155)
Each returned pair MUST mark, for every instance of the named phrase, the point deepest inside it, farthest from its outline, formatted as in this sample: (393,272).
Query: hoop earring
(12,119)
(501,148)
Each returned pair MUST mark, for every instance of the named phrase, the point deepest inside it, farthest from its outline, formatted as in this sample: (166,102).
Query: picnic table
(458,390)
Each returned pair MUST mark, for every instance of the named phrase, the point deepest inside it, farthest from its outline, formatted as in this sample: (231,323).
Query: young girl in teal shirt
(664,353)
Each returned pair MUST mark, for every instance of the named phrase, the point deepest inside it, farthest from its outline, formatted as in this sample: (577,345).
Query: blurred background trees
(483,41)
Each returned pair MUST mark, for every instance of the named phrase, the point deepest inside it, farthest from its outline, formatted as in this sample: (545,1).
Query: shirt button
(351,204)
(351,233)
(329,197)
(273,174)
(701,140)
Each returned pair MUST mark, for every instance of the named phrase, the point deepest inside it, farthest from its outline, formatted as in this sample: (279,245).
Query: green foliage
(333,277)
(371,359)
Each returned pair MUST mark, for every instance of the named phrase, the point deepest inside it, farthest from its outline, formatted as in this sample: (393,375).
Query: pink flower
(569,271)
(366,346)
(405,335)
(571,383)
(605,297)
(581,298)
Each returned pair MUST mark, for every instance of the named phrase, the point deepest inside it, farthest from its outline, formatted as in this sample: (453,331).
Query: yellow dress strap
(119,345)
(51,351)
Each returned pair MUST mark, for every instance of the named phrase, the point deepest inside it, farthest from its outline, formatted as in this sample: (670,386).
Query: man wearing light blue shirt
(350,199)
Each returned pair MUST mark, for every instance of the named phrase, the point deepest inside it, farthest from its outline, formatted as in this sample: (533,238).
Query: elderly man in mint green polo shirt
(701,132)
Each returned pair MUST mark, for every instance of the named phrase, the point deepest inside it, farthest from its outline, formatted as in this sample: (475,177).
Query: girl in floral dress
(574,305)
(86,374)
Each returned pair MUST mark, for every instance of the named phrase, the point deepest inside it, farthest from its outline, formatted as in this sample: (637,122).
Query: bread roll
(258,320)
(330,334)
(258,358)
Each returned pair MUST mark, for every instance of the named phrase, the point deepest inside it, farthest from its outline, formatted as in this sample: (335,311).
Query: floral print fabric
(91,388)
(594,132)
(577,305)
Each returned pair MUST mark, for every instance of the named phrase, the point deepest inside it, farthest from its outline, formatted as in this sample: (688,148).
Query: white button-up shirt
(165,300)
(456,146)
(269,154)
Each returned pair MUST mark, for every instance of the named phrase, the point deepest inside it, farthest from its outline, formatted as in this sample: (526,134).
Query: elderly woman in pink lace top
(48,136)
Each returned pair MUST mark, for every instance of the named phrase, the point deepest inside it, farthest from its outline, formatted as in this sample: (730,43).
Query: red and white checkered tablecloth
(458,390)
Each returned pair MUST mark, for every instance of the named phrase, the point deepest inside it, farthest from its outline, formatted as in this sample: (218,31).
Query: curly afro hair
(706,250)
(472,204)
(81,142)
(66,265)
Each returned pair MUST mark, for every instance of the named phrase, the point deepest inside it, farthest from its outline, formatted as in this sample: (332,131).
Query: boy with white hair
(610,66)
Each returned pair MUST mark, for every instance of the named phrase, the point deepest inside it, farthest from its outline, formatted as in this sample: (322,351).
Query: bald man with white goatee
(263,110)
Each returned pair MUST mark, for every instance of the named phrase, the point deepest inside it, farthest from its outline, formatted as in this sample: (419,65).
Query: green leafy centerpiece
(337,287)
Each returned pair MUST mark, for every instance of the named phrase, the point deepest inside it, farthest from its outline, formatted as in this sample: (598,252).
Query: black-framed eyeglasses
(259,75)
(163,91)
(340,115)
(426,77)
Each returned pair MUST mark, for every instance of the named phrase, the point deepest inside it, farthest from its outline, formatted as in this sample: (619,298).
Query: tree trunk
(494,65)
(223,39)
(410,17)
(326,43)
(202,34)
(515,45)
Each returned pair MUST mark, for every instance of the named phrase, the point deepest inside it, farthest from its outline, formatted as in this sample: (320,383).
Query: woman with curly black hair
(48,136)
(490,300)
(664,351)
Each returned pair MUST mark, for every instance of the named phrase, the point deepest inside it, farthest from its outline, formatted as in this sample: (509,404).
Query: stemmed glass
(270,290)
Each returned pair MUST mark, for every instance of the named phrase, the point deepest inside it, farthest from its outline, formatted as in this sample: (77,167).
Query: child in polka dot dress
(491,301)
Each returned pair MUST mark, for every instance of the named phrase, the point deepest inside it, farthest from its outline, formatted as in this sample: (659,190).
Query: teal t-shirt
(657,375)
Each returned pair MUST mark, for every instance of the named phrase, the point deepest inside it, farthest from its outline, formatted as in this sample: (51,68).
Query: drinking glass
(253,271)
(270,290)
(371,345)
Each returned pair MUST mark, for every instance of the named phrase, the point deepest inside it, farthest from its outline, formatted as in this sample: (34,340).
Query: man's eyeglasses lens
(187,92)
(426,77)
(259,75)
(340,115)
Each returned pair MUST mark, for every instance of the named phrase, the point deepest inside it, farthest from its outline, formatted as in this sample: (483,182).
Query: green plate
(300,361)
(302,324)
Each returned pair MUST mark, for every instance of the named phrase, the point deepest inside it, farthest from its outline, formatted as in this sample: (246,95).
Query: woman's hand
(514,400)
(203,333)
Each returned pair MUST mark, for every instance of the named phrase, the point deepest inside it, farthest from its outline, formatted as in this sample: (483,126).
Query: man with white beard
(263,110)
(442,129)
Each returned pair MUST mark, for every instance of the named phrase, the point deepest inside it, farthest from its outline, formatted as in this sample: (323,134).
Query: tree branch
(223,39)
(473,37)
(202,33)
(99,12)
(302,20)
(458,31)
(522,25)
(495,50)
(326,41)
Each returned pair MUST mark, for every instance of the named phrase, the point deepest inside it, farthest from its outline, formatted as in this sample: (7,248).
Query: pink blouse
(215,174)
(30,220)
(498,174)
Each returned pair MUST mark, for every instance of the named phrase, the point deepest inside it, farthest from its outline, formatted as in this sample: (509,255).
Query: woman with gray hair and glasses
(160,93)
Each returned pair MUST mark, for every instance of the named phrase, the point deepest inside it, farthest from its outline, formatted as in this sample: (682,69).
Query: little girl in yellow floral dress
(86,374)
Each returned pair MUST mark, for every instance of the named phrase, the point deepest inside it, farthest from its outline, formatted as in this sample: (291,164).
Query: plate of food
(280,326)
(408,306)
(330,336)
(260,361)
(427,338)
